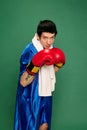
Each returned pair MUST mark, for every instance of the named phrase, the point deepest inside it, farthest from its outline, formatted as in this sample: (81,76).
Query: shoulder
(28,53)
(29,48)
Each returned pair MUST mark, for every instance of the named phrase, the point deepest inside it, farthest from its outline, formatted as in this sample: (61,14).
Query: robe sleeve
(26,57)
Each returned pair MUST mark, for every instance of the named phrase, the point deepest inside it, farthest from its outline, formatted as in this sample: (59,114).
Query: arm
(26,79)
(56,69)
(33,67)
(38,60)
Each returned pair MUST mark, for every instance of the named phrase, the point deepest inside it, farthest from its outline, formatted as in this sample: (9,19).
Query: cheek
(52,41)
(43,43)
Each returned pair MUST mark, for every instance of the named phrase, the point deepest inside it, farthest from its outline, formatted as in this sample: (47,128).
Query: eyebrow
(49,37)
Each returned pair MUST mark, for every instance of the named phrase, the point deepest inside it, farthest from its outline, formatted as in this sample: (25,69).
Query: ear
(37,36)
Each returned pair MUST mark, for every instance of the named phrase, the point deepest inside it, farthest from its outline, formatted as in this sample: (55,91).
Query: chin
(47,47)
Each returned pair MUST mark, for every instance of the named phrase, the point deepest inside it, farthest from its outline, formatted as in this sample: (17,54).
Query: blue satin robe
(31,110)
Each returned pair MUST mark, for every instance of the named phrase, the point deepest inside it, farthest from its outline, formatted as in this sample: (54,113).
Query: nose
(49,41)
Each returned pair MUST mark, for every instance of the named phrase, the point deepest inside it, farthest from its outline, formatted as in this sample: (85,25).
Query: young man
(38,64)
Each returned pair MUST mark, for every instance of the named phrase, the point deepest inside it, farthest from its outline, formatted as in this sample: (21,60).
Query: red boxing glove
(59,57)
(41,58)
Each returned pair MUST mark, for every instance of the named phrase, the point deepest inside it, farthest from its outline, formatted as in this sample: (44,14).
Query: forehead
(47,34)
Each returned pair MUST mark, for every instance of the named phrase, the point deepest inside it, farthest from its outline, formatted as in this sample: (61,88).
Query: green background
(18,21)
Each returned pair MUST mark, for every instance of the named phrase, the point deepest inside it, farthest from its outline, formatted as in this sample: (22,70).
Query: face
(47,39)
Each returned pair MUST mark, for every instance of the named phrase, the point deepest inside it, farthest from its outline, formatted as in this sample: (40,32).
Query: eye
(45,38)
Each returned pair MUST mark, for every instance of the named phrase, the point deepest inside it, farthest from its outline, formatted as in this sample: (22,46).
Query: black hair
(46,26)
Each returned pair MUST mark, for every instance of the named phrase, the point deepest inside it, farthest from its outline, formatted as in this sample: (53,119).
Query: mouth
(47,46)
